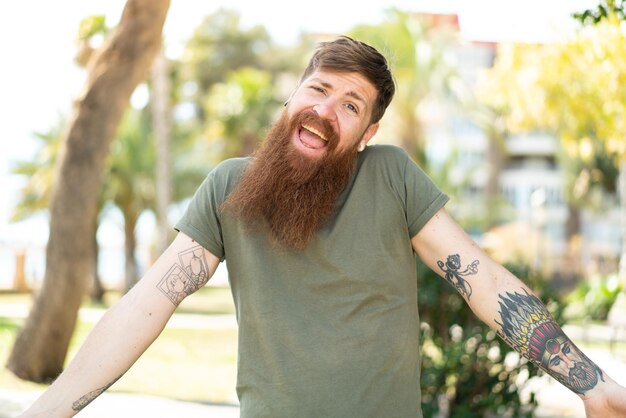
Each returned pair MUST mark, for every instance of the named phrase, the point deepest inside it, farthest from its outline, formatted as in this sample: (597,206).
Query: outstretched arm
(127,329)
(510,308)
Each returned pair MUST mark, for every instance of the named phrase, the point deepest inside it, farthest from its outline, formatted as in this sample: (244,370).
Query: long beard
(582,377)
(289,194)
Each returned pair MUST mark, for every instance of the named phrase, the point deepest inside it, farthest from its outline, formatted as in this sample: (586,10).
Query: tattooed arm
(509,307)
(127,329)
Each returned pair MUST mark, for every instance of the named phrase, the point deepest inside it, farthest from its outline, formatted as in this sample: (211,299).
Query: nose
(569,363)
(326,109)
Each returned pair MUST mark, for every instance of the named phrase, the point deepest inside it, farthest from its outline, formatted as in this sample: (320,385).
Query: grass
(8,331)
(186,364)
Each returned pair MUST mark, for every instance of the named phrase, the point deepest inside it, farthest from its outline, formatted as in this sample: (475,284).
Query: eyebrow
(350,93)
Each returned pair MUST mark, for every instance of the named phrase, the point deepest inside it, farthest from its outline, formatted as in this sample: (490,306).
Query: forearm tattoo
(183,279)
(86,399)
(528,327)
(455,277)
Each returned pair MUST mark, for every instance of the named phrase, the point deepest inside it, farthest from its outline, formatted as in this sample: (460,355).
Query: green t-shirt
(331,331)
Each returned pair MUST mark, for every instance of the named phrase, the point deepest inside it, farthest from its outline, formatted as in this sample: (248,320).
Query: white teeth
(315,131)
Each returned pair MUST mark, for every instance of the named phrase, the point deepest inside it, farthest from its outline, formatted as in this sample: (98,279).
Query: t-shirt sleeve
(201,220)
(423,197)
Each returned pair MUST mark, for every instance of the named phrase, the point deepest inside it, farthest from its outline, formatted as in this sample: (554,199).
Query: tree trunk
(19,281)
(618,309)
(130,245)
(496,157)
(572,225)
(622,199)
(161,125)
(97,290)
(114,72)
(412,139)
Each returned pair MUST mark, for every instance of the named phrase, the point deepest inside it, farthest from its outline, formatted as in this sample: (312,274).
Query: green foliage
(129,183)
(92,31)
(465,365)
(38,173)
(420,58)
(217,47)
(232,79)
(603,11)
(590,181)
(241,108)
(575,91)
(593,298)
(91,26)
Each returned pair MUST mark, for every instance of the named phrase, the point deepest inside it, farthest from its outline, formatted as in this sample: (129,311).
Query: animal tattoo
(455,277)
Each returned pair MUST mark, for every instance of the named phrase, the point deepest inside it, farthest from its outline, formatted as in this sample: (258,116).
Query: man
(319,232)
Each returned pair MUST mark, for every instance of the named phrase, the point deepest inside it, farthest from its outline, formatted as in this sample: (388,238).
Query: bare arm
(127,329)
(510,308)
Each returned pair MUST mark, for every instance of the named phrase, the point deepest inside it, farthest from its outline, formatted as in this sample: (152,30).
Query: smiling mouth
(315,131)
(310,137)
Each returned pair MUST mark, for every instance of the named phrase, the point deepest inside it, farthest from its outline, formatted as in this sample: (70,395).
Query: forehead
(349,84)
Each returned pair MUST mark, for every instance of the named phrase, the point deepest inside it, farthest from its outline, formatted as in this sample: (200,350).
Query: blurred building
(528,216)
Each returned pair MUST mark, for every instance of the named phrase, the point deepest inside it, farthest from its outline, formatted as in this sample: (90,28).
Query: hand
(607,400)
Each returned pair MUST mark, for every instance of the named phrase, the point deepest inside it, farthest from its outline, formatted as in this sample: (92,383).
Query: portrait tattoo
(455,277)
(528,327)
(183,279)
(86,399)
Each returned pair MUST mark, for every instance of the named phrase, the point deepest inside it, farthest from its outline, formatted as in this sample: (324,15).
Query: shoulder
(224,176)
(383,155)
(229,170)
(392,161)
(231,165)
(385,152)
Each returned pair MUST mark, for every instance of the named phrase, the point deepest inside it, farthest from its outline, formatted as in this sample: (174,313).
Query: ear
(288,99)
(367,135)
(292,93)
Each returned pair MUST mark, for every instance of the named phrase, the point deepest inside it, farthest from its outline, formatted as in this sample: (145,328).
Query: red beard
(287,193)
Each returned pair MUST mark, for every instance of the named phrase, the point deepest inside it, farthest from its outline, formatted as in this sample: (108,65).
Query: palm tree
(115,70)
(35,194)
(39,173)
(422,71)
(129,181)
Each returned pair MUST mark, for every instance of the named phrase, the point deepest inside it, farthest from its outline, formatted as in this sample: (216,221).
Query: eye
(566,349)
(352,108)
(317,88)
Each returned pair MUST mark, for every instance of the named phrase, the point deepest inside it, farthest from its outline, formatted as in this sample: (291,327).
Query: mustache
(579,371)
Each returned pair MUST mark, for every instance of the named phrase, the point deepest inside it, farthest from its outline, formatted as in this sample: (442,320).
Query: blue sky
(38,78)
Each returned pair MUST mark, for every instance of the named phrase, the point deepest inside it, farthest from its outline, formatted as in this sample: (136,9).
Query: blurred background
(516,109)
